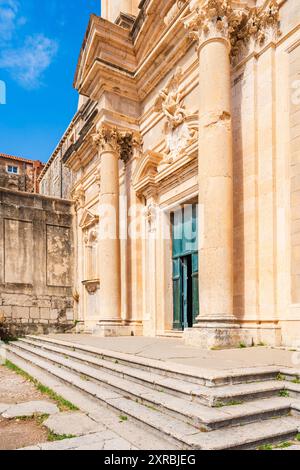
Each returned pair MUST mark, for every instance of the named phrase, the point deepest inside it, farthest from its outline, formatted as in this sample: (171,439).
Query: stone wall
(26,178)
(57,181)
(36,264)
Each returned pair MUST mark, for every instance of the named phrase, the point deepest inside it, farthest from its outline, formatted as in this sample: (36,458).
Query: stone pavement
(104,440)
(72,424)
(28,409)
(174,350)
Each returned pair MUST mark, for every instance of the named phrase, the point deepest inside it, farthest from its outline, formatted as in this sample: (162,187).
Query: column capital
(131,144)
(122,142)
(212,20)
(107,139)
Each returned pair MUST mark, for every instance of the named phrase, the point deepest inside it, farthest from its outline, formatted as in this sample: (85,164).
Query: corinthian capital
(209,19)
(212,19)
(107,139)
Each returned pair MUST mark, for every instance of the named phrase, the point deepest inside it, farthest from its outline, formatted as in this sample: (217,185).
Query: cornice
(112,61)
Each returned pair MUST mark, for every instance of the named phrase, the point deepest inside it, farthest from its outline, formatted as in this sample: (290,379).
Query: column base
(219,335)
(114,330)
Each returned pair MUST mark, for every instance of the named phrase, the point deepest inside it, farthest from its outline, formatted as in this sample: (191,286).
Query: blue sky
(40,42)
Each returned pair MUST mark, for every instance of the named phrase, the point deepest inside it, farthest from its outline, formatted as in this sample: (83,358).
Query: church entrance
(185,266)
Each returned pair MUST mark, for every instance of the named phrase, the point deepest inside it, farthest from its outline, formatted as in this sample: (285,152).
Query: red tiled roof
(18,159)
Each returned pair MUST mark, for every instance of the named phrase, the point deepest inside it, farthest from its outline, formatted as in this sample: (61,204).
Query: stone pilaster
(107,140)
(210,25)
(112,145)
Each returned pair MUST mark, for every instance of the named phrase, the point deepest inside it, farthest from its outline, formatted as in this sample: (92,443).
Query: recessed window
(12,169)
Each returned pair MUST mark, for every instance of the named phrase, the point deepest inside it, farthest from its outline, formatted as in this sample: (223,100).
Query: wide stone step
(209,378)
(248,436)
(143,438)
(199,416)
(210,396)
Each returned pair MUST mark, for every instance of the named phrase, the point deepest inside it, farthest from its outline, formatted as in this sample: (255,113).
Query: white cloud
(8,19)
(28,63)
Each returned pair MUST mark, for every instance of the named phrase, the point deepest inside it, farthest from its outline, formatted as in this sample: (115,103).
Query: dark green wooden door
(185,267)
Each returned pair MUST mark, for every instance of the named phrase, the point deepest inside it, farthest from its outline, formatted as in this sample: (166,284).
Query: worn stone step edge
(201,441)
(205,377)
(197,415)
(193,392)
(95,410)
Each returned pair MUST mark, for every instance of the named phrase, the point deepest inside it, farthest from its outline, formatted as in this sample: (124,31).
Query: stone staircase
(187,407)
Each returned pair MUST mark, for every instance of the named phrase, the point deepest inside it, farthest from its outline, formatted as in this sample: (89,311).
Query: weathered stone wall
(58,180)
(36,272)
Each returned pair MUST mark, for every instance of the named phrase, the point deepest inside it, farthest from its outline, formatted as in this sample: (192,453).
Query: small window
(12,169)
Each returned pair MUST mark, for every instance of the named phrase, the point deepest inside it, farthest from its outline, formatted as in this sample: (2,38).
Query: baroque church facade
(182,164)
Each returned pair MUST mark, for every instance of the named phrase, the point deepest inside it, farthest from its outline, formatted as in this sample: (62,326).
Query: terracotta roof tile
(18,159)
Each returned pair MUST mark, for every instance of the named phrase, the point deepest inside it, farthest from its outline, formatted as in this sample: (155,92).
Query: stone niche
(36,264)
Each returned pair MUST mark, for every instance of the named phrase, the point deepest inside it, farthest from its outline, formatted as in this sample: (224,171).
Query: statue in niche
(179,131)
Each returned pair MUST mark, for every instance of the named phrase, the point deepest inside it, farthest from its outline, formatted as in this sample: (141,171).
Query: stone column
(216,324)
(110,322)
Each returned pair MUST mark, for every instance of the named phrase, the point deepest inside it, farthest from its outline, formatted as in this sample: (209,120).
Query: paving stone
(72,424)
(3,407)
(30,409)
(96,439)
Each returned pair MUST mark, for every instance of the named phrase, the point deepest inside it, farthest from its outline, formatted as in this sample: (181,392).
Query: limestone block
(19,300)
(44,302)
(34,312)
(45,313)
(30,409)
(75,424)
(54,314)
(6,312)
(70,314)
(20,312)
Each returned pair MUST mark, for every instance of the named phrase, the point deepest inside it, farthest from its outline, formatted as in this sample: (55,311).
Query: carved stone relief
(89,224)
(181,128)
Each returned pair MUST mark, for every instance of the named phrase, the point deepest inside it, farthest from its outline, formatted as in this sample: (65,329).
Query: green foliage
(52,437)
(266,447)
(284,393)
(123,418)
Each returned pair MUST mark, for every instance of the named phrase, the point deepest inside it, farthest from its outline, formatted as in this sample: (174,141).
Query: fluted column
(109,242)
(209,23)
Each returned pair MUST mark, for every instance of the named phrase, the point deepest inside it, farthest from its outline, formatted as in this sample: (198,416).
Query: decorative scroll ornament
(240,26)
(79,198)
(151,217)
(179,131)
(137,144)
(126,146)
